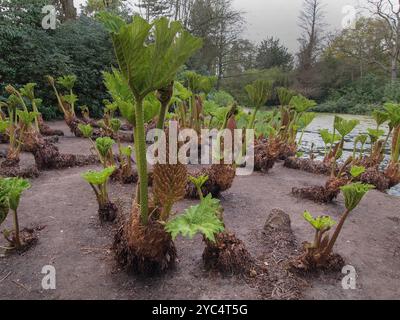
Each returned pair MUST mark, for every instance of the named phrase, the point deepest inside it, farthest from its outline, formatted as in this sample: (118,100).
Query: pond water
(325,121)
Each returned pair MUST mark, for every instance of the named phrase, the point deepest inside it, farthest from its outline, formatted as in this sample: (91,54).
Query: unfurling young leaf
(375,134)
(301,104)
(98,178)
(11,190)
(68,81)
(127,151)
(353,194)
(306,119)
(328,137)
(321,223)
(285,95)
(86,130)
(380,117)
(115,124)
(104,145)
(199,181)
(259,92)
(26,117)
(357,171)
(345,127)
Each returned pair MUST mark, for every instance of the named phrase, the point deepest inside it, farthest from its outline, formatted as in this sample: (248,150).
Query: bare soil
(78,245)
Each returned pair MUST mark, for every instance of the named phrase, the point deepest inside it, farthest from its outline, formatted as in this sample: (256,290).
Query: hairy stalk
(60,103)
(335,235)
(141,161)
(161,117)
(16,230)
(253,119)
(396,145)
(35,109)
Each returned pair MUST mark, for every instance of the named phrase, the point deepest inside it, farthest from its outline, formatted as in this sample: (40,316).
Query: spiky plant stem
(335,235)
(396,145)
(253,118)
(16,230)
(161,117)
(140,147)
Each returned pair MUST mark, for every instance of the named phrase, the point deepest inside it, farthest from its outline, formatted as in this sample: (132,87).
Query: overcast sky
(279,18)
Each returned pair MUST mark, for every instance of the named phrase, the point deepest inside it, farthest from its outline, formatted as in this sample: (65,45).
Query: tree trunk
(68,10)
(395,64)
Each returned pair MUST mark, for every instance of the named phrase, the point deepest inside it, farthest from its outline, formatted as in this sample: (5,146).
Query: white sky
(279,18)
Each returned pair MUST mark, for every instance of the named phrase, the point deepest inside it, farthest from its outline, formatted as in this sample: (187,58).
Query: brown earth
(78,246)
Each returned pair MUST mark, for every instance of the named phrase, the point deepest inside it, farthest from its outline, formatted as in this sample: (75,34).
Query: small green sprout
(11,190)
(357,171)
(86,130)
(199,183)
(98,181)
(320,223)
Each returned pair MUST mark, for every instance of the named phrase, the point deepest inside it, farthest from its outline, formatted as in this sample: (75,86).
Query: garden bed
(78,246)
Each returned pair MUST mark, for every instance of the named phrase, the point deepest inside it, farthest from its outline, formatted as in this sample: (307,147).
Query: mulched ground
(78,246)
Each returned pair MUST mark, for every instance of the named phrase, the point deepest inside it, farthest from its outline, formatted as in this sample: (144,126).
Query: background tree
(363,46)
(94,6)
(68,10)
(389,12)
(152,9)
(311,22)
(271,53)
(29,53)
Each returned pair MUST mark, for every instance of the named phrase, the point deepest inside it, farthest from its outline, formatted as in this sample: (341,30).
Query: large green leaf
(150,54)
(104,145)
(285,95)
(306,119)
(301,103)
(201,218)
(345,127)
(393,111)
(380,117)
(259,92)
(328,137)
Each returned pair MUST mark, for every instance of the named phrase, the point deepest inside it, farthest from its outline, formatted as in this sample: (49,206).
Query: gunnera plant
(11,190)
(149,56)
(220,175)
(28,92)
(393,169)
(338,178)
(224,252)
(319,253)
(98,181)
